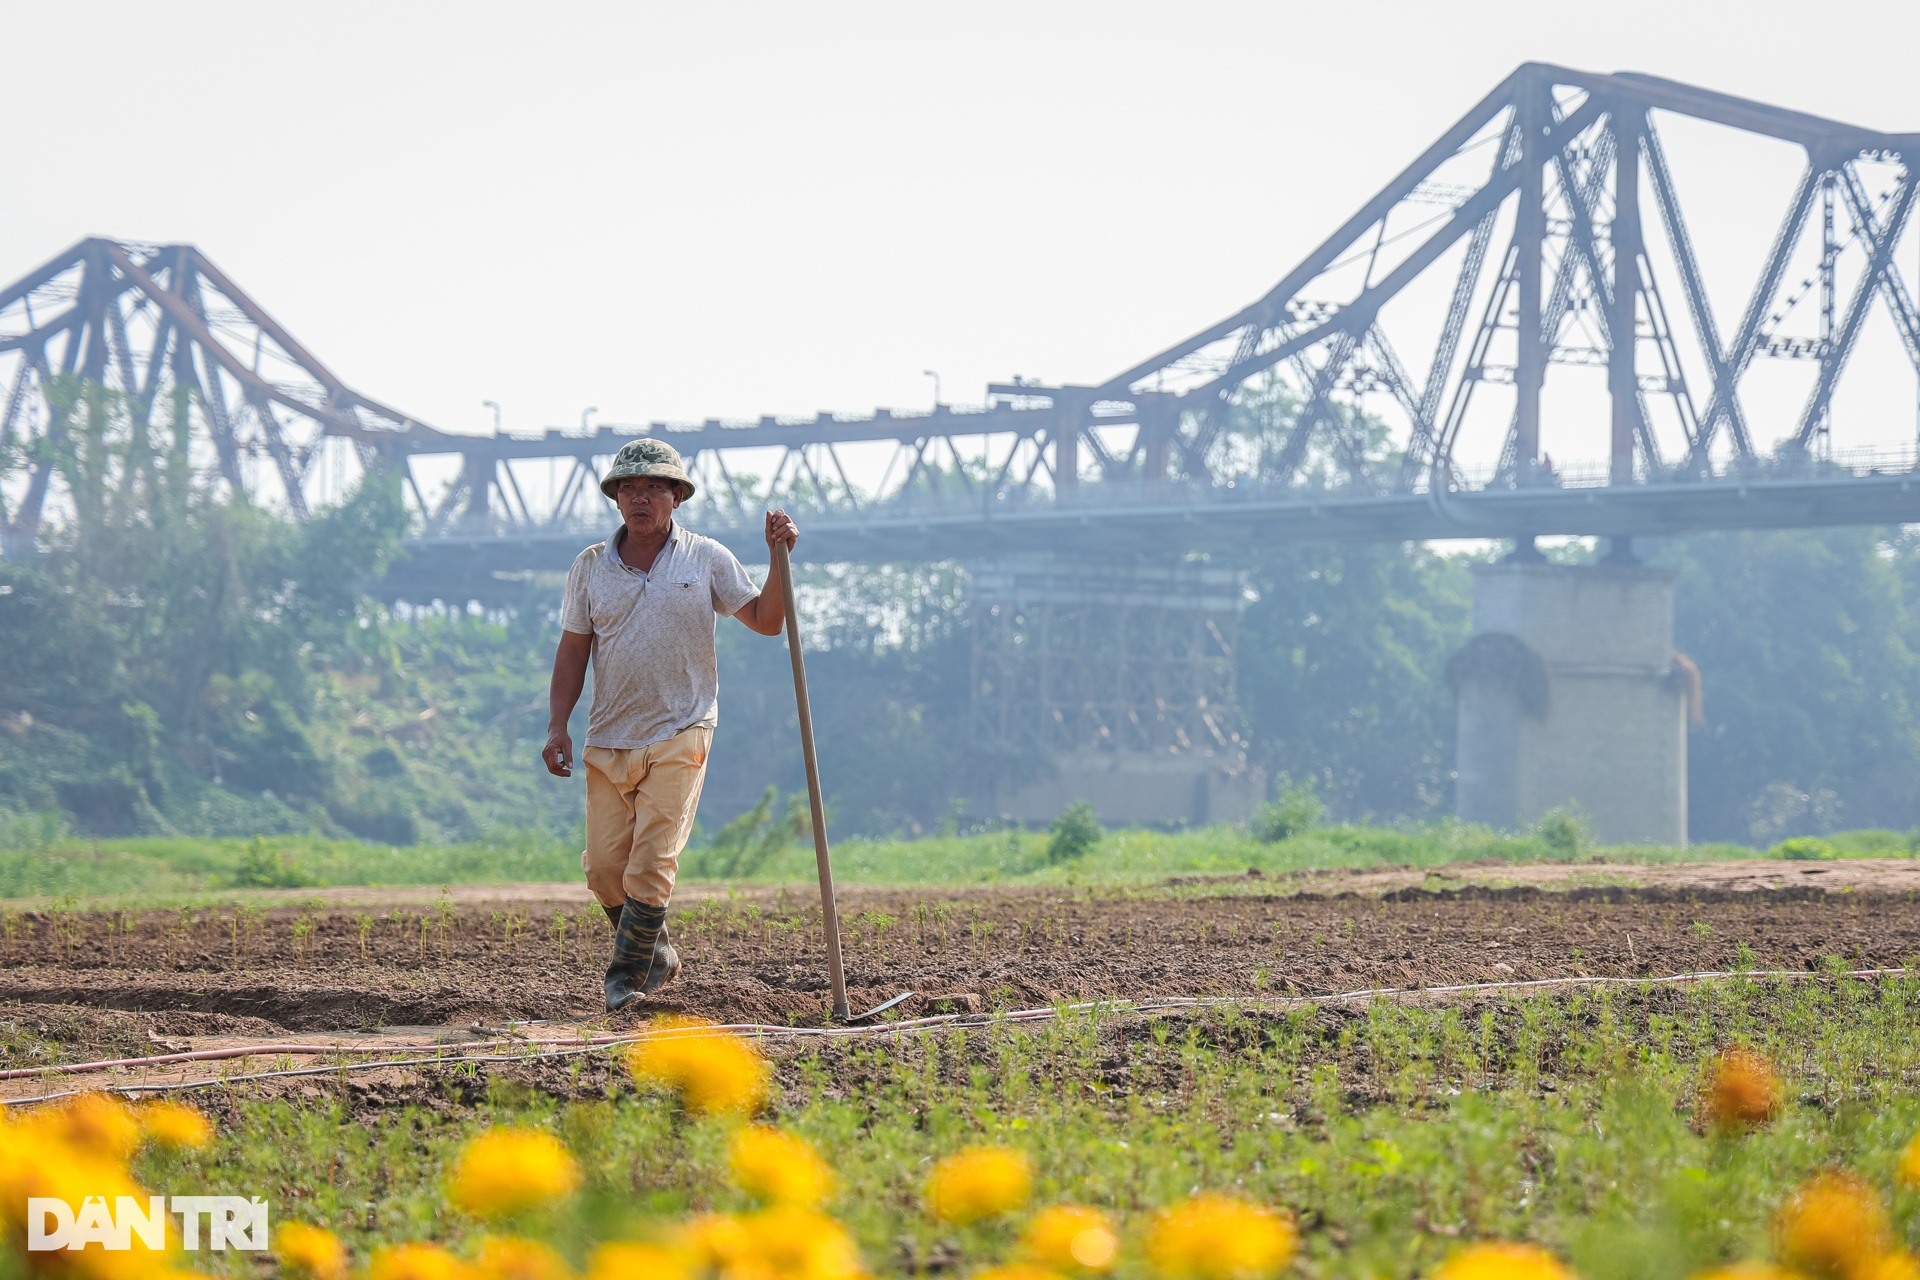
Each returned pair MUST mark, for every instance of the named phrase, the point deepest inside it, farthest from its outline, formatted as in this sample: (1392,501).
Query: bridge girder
(1512,252)
(150,323)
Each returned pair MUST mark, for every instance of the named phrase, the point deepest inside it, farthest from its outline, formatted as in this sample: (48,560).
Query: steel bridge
(1537,256)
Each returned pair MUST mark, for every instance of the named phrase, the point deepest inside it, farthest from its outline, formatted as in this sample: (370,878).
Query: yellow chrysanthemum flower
(1752,1270)
(1503,1261)
(95,1122)
(53,1170)
(416,1261)
(309,1251)
(715,1073)
(799,1244)
(505,1171)
(625,1260)
(1072,1237)
(1832,1228)
(712,1241)
(778,1167)
(1898,1265)
(1742,1091)
(1216,1237)
(1017,1271)
(1908,1170)
(785,1242)
(515,1258)
(978,1183)
(173,1124)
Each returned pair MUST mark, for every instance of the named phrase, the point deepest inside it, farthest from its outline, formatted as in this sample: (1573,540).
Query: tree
(1808,644)
(160,641)
(1342,661)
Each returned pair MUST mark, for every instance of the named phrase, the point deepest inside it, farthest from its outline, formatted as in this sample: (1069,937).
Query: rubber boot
(613,914)
(643,960)
(666,964)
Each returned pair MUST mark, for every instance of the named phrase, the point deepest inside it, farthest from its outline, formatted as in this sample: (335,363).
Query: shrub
(1806,849)
(1564,829)
(1297,809)
(748,842)
(260,869)
(1075,832)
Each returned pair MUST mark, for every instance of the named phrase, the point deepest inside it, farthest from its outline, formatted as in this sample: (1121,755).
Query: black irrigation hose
(953,1022)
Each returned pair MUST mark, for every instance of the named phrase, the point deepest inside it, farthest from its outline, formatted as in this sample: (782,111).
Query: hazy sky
(676,212)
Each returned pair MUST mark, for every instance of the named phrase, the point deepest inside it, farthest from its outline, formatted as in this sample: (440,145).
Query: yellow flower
(715,1073)
(1833,1228)
(415,1261)
(38,1161)
(1216,1237)
(1072,1237)
(978,1183)
(785,1242)
(1908,1170)
(513,1258)
(504,1171)
(713,1241)
(1742,1091)
(1750,1270)
(1503,1261)
(776,1166)
(1898,1265)
(1016,1271)
(309,1251)
(799,1244)
(95,1122)
(172,1124)
(623,1260)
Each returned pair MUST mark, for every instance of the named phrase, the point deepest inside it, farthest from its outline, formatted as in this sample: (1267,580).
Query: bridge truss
(1531,282)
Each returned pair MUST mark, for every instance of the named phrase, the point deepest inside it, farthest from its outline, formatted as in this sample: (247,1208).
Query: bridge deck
(1134,520)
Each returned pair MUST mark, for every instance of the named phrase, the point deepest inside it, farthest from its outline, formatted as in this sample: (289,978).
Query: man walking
(642,606)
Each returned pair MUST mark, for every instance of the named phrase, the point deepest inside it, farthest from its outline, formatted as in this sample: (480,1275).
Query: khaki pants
(640,804)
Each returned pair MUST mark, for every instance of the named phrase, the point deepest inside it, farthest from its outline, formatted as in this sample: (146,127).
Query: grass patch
(184,868)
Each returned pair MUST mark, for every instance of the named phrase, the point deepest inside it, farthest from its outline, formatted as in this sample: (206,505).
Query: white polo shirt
(654,668)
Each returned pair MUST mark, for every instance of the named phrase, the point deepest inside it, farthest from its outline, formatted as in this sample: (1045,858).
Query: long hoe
(829,910)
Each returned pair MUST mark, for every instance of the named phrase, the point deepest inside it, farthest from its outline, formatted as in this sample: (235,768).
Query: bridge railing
(1108,498)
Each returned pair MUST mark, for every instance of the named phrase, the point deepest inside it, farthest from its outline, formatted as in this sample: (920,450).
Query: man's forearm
(561,700)
(766,613)
(569,678)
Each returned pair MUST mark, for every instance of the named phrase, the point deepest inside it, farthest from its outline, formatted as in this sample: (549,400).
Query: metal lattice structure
(1543,223)
(1542,240)
(152,322)
(1533,211)
(1115,657)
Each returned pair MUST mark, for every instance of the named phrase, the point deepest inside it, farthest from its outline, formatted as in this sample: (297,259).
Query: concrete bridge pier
(1570,692)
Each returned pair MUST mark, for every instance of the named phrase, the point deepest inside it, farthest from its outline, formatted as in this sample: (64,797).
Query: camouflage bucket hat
(647,458)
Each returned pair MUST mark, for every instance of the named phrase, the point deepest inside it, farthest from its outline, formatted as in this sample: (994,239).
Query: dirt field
(76,985)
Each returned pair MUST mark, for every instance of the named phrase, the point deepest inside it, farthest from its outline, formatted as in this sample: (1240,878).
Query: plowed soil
(77,984)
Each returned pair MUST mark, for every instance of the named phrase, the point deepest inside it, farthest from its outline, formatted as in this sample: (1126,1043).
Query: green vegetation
(1074,834)
(1392,1133)
(180,662)
(1806,849)
(1297,809)
(1565,830)
(768,850)
(148,868)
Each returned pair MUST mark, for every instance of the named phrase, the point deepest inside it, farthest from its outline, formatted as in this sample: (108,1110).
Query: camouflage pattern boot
(636,944)
(666,964)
